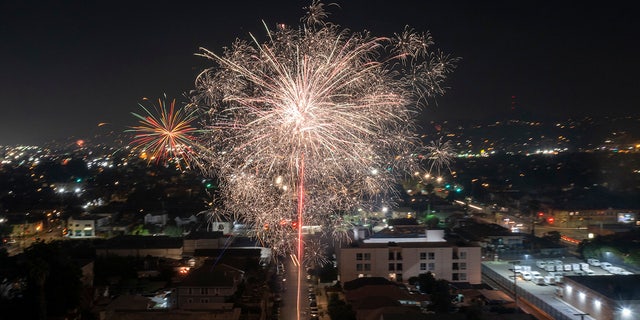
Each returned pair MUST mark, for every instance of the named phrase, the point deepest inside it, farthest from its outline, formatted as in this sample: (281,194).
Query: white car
(526,275)
(594,262)
(535,274)
(605,265)
(539,280)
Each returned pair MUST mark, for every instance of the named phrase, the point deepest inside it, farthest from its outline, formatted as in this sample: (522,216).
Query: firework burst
(440,156)
(338,104)
(165,132)
(315,254)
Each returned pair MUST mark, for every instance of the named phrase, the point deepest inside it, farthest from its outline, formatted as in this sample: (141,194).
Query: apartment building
(401,258)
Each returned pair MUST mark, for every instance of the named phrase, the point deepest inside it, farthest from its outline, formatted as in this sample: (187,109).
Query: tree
(340,310)
(140,230)
(438,289)
(173,231)
(441,296)
(553,236)
(426,282)
(53,279)
(38,274)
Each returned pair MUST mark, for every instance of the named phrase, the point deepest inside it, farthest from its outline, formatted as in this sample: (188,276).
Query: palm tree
(38,273)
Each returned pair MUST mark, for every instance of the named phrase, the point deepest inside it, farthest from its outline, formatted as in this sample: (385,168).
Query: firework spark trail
(166,133)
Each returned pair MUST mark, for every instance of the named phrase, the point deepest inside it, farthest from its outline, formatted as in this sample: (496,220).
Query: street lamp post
(515,285)
(581,315)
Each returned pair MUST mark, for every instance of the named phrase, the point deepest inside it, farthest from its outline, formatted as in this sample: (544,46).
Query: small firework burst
(165,132)
(315,254)
(440,155)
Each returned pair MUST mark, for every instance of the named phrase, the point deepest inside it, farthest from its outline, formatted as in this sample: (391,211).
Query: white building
(85,226)
(399,258)
(156,219)
(81,228)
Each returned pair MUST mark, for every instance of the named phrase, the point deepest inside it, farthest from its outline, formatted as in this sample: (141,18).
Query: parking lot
(541,294)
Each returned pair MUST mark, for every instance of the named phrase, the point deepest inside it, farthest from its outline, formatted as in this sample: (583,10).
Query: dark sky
(66,66)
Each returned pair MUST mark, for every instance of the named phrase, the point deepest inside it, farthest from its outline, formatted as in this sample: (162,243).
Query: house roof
(375,302)
(211,274)
(366,281)
(412,244)
(372,292)
(229,252)
(195,235)
(398,313)
(143,242)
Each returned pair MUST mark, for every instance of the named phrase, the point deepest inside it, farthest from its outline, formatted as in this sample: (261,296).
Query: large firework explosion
(315,120)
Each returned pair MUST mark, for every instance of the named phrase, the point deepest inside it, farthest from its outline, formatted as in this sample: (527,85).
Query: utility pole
(515,285)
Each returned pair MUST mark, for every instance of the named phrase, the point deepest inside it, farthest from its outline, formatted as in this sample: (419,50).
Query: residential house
(207,286)
(142,246)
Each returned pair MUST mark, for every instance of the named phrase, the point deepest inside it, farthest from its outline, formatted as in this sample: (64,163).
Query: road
(510,220)
(292,295)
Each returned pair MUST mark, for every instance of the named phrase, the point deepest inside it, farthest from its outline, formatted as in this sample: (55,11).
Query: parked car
(593,262)
(539,280)
(526,275)
(605,265)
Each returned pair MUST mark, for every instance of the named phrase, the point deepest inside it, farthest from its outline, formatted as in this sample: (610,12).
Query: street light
(626,312)
(515,279)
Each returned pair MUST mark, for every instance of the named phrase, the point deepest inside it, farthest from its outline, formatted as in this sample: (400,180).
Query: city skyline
(72,66)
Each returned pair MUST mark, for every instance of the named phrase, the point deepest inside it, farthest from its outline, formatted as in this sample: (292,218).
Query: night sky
(66,66)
